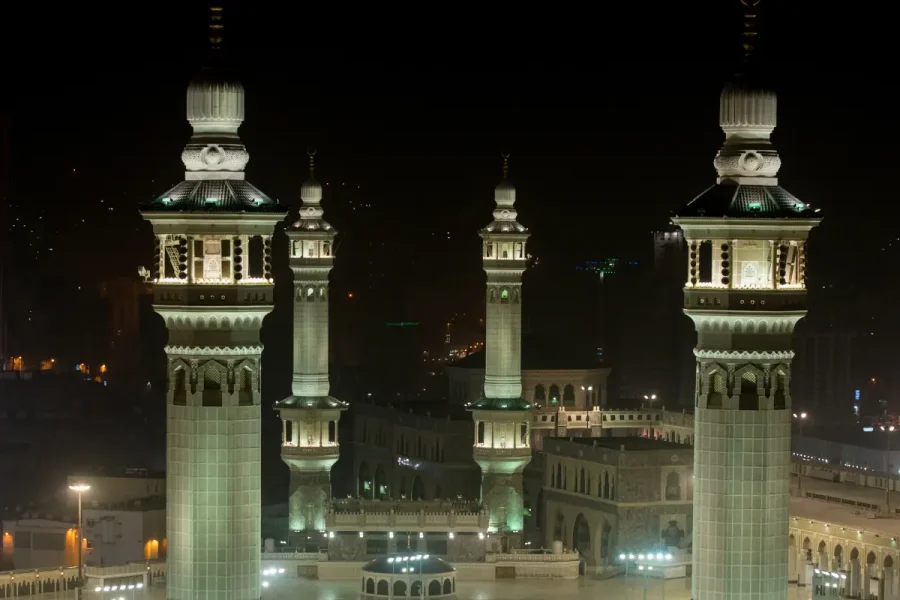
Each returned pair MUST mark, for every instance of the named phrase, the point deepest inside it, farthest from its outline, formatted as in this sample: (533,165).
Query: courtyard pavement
(618,588)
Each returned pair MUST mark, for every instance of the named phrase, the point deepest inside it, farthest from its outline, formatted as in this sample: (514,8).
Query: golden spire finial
(750,16)
(312,162)
(505,156)
(215,26)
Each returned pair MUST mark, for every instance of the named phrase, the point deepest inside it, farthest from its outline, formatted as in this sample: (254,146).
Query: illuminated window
(504,296)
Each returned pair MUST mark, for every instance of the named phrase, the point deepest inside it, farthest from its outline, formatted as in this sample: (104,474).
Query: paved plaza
(522,589)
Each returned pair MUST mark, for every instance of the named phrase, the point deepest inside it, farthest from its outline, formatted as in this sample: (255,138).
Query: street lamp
(888,429)
(80,488)
(801,419)
(587,395)
(646,562)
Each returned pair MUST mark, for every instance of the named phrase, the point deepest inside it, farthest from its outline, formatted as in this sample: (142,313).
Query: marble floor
(531,589)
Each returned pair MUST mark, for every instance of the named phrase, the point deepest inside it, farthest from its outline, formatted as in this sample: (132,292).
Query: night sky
(610,116)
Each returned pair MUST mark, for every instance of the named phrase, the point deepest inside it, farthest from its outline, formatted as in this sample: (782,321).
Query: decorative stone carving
(735,162)
(215,157)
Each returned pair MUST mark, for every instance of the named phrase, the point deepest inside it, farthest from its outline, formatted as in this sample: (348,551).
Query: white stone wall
(213,468)
(503,336)
(741,461)
(310,377)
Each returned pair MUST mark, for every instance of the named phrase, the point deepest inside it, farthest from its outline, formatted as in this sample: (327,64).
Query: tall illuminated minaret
(309,443)
(745,291)
(213,288)
(502,418)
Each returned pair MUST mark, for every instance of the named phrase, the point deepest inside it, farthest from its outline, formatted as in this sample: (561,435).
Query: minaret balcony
(310,458)
(489,453)
(326,450)
(745,299)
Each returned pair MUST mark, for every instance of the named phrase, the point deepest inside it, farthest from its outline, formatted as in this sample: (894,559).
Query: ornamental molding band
(727,355)
(245,351)
(215,157)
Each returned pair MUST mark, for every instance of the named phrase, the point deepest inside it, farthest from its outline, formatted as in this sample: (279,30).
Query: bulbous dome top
(215,105)
(311,191)
(746,103)
(505,194)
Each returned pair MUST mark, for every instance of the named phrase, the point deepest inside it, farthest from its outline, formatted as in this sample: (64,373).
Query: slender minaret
(502,418)
(745,291)
(309,443)
(213,288)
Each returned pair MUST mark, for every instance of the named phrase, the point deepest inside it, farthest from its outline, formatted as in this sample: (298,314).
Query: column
(727,255)
(692,262)
(161,259)
(773,268)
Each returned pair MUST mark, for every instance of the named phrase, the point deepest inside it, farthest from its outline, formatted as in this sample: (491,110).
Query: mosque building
(524,461)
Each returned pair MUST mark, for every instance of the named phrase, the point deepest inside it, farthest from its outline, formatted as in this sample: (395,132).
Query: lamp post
(888,430)
(645,563)
(801,419)
(587,395)
(80,488)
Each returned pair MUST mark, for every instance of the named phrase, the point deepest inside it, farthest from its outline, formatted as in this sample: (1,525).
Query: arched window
(779,388)
(673,486)
(716,390)
(480,428)
(492,297)
(539,393)
(418,489)
(554,394)
(569,395)
(381,486)
(180,391)
(310,294)
(321,293)
(434,588)
(515,296)
(400,588)
(365,482)
(504,295)
(581,535)
(749,398)
(382,588)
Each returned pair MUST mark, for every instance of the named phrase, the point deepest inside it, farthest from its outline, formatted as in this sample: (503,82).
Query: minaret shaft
(502,419)
(309,444)
(745,292)
(310,377)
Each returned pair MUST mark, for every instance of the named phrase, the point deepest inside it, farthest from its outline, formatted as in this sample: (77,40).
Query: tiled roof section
(506,404)
(319,402)
(213,195)
(729,199)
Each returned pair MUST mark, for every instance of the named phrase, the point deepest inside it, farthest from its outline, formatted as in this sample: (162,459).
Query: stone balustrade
(421,520)
(535,556)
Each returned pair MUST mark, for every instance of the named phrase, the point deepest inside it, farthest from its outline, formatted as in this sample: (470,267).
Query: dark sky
(610,114)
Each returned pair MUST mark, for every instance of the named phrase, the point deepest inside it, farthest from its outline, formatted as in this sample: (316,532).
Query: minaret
(213,287)
(745,291)
(502,418)
(309,443)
